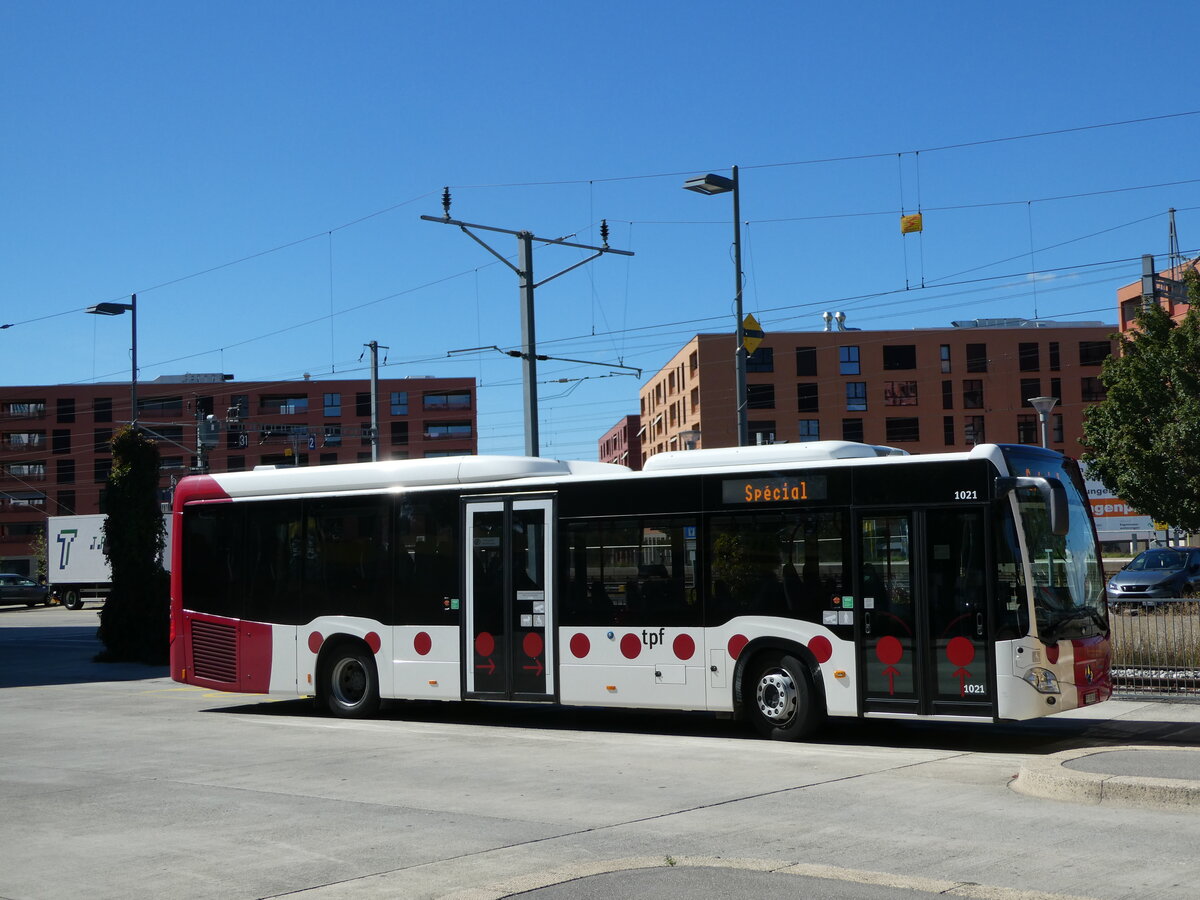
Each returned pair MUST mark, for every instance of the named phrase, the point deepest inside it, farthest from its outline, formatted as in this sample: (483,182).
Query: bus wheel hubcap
(349,682)
(777,696)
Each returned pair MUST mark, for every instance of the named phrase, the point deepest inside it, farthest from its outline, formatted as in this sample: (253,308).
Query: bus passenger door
(924,643)
(889,645)
(508,647)
(960,664)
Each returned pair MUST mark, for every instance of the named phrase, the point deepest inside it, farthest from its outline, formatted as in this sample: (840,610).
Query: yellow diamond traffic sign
(752,334)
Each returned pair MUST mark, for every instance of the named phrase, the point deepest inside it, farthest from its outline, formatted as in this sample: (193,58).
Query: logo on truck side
(66,537)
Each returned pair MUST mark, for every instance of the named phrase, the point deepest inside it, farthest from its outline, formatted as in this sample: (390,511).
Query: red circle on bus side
(736,645)
(821,648)
(631,646)
(580,646)
(960,651)
(373,641)
(1052,654)
(484,644)
(889,650)
(533,645)
(422,643)
(315,641)
(684,647)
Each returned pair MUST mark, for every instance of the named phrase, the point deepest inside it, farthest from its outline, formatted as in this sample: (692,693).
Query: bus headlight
(1042,680)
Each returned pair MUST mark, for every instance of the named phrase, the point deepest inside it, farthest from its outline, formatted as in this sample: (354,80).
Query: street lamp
(1043,405)
(117,309)
(719,184)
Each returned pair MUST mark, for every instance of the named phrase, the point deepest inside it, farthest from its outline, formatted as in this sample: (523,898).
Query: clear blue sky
(149,142)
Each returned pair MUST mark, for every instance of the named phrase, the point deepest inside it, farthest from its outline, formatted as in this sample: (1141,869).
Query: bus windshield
(1068,581)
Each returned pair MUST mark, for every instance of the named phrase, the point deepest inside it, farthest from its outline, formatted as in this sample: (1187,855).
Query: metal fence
(1156,649)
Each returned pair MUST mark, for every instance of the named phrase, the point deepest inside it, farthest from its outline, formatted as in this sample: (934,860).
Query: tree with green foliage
(135,620)
(1143,441)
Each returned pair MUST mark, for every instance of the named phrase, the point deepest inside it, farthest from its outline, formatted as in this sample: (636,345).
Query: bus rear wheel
(350,684)
(783,702)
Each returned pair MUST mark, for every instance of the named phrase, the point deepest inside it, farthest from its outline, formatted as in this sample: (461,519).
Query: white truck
(77,568)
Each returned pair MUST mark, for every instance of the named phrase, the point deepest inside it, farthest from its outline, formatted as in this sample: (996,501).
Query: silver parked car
(19,589)
(1157,574)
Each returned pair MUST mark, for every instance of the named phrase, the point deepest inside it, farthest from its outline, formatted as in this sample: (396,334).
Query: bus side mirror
(1053,493)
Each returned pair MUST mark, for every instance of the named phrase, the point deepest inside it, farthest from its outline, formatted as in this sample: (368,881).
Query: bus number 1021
(966,495)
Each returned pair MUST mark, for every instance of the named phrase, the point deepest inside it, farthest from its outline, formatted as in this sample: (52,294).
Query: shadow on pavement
(60,654)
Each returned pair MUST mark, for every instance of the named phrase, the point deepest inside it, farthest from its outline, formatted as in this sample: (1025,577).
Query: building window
(899,356)
(761,360)
(451,400)
(440,430)
(64,471)
(972,393)
(1028,357)
(806,361)
(977,358)
(398,403)
(902,431)
(102,440)
(1056,428)
(947,395)
(1056,388)
(810,429)
(161,406)
(362,404)
(1091,390)
(1054,356)
(66,503)
(899,393)
(762,432)
(66,409)
(806,398)
(1031,387)
(399,433)
(60,440)
(945,357)
(283,405)
(1093,353)
(758,396)
(333,436)
(973,430)
(852,430)
(848,361)
(333,404)
(101,466)
(948,430)
(102,409)
(236,463)
(856,396)
(327,459)
(1027,429)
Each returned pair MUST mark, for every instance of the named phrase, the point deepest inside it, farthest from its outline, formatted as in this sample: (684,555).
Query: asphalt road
(117,782)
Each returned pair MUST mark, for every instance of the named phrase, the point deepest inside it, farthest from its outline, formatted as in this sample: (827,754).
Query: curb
(1047,777)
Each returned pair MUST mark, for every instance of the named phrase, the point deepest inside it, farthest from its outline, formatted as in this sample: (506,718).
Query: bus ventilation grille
(214,651)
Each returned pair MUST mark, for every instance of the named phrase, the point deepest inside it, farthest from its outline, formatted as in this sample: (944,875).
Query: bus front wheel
(350,686)
(783,702)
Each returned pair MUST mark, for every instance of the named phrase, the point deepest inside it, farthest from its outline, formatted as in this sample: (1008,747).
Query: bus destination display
(773,490)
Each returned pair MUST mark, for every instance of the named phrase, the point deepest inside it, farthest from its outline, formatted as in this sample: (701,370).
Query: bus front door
(923,632)
(508,649)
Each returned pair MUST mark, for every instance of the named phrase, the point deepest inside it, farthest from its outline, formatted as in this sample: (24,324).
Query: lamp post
(1043,405)
(117,309)
(719,184)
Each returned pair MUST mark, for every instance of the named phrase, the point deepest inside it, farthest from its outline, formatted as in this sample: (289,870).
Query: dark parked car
(19,589)
(1157,574)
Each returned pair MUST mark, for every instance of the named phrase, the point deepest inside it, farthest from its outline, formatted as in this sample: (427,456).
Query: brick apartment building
(54,439)
(1168,289)
(623,443)
(923,390)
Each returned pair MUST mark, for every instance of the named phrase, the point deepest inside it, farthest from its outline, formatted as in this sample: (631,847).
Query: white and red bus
(782,583)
